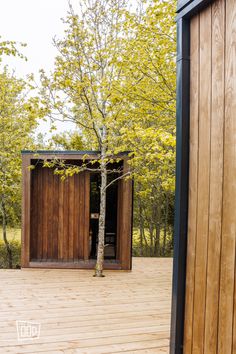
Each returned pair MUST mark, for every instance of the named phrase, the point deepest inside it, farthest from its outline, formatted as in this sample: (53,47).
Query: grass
(147,251)
(13,234)
(14,238)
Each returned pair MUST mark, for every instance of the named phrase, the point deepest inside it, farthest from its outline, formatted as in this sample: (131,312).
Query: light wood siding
(210,307)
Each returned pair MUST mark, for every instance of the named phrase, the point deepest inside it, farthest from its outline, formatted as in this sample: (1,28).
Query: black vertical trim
(132,222)
(181,194)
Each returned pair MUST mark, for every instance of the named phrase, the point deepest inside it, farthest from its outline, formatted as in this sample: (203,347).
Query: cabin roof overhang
(187,8)
(68,154)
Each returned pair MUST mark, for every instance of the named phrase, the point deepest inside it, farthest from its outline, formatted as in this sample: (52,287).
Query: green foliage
(67,141)
(18,115)
(16,252)
(115,72)
(10,48)
(19,112)
(165,246)
(82,87)
(149,68)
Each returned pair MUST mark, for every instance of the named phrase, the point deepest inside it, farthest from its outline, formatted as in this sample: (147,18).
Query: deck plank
(123,312)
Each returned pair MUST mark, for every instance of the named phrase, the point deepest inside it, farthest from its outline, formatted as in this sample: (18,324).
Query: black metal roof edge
(182,3)
(188,8)
(67,152)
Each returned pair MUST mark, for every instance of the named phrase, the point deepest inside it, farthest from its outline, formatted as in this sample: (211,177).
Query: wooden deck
(125,312)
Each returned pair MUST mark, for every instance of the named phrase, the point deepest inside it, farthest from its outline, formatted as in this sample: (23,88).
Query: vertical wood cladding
(210,308)
(58,215)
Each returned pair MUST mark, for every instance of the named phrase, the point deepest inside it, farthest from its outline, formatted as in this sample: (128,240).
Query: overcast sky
(34,22)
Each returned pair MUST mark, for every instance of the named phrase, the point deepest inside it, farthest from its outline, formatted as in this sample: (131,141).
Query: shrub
(16,252)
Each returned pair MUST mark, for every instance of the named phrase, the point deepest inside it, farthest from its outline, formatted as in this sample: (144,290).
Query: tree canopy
(116,68)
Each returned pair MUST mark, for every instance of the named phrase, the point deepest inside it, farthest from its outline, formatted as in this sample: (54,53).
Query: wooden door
(59,216)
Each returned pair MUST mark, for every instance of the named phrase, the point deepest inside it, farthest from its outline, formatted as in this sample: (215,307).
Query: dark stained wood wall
(59,216)
(56,220)
(210,310)
(125,220)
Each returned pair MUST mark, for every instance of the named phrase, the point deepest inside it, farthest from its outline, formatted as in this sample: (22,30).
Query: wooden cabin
(204,282)
(60,218)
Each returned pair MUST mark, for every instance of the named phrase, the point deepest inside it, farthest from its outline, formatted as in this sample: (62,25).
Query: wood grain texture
(76,216)
(129,314)
(81,215)
(71,217)
(66,220)
(193,183)
(226,304)
(39,222)
(34,215)
(203,182)
(50,213)
(59,220)
(210,308)
(216,178)
(86,214)
(26,211)
(125,220)
(44,193)
(55,218)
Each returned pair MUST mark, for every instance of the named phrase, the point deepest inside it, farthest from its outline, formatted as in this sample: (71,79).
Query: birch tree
(115,78)
(82,87)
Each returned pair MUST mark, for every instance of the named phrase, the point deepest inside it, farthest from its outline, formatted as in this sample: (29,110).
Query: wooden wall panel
(203,180)
(210,308)
(81,215)
(49,213)
(216,177)
(226,306)
(39,223)
(86,214)
(34,215)
(125,220)
(26,212)
(60,220)
(56,219)
(71,220)
(59,216)
(193,183)
(66,219)
(44,193)
(76,219)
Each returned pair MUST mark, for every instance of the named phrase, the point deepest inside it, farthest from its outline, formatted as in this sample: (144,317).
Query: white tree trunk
(102,215)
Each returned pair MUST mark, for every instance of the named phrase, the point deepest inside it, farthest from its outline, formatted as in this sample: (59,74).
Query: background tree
(67,141)
(115,78)
(82,87)
(11,48)
(18,115)
(148,65)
